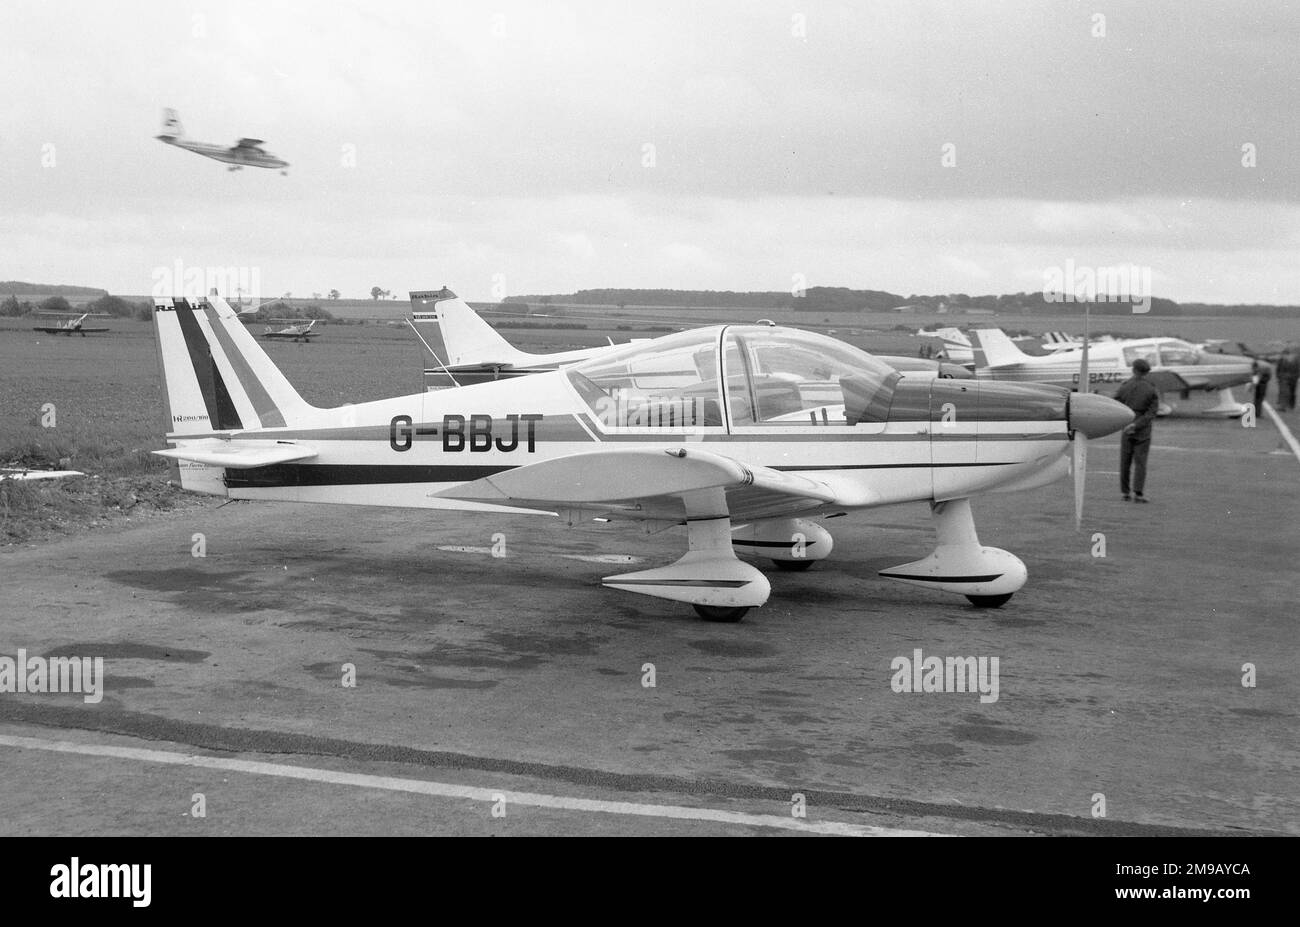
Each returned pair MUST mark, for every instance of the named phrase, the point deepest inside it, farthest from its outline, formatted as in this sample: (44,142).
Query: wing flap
(239,455)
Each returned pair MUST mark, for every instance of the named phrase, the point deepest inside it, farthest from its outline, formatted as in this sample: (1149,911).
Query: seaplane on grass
(70,327)
(744,435)
(1176,367)
(463,349)
(300,331)
(247,152)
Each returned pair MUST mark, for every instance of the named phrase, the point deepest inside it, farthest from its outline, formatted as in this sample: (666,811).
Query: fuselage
(875,438)
(1175,365)
(243,157)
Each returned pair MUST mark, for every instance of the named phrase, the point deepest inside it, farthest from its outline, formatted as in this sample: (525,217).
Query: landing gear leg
(987,576)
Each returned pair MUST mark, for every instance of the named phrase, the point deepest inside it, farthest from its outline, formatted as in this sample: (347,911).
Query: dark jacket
(1144,399)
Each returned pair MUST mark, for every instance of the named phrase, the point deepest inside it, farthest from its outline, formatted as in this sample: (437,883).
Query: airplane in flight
(1176,367)
(247,152)
(743,434)
(298,332)
(70,327)
(464,349)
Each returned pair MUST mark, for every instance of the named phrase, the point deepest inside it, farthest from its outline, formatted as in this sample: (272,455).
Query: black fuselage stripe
(306,474)
(770,543)
(291,474)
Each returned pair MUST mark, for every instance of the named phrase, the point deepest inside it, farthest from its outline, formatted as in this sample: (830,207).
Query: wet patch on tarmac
(1259,713)
(186,579)
(112,682)
(127,650)
(415,681)
(981,730)
(941,750)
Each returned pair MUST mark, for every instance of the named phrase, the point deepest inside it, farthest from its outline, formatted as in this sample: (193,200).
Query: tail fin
(953,336)
(994,349)
(461,337)
(215,375)
(171,126)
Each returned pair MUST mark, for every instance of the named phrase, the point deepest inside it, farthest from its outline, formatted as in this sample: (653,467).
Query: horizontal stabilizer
(239,455)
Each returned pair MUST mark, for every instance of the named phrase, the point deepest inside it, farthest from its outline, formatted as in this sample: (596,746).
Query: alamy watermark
(952,674)
(53,674)
(1118,283)
(241,286)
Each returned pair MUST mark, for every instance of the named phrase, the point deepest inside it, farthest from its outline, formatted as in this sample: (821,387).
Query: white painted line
(1286,432)
(449,790)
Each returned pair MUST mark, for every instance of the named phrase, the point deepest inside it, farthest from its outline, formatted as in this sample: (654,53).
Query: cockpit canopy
(735,376)
(1163,352)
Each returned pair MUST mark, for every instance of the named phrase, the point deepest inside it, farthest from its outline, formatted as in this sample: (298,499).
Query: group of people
(1288,375)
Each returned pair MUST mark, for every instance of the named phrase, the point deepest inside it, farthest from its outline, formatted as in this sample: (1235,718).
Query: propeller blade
(1080,467)
(1080,439)
(1083,367)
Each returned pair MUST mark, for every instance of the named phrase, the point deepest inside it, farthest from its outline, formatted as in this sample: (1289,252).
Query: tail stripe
(221,408)
(268,413)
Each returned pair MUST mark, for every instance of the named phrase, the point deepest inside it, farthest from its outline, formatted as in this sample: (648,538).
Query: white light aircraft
(301,331)
(743,434)
(70,327)
(1176,366)
(247,152)
(465,349)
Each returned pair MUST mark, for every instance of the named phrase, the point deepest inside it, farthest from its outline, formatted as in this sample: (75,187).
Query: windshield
(782,376)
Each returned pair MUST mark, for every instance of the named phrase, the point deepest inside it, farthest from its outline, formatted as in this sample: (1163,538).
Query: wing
(239,455)
(648,484)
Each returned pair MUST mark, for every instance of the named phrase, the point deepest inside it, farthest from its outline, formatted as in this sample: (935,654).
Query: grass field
(106,403)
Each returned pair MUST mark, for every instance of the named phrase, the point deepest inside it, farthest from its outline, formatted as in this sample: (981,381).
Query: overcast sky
(547,148)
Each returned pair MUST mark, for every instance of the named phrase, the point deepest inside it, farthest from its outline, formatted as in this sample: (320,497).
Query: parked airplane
(464,349)
(247,152)
(1176,366)
(741,433)
(70,327)
(299,332)
(9,473)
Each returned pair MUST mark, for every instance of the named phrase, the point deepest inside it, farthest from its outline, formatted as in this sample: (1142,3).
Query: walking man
(1135,441)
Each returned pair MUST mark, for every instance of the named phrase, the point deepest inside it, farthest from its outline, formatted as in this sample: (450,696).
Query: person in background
(1263,371)
(1135,441)
(1288,372)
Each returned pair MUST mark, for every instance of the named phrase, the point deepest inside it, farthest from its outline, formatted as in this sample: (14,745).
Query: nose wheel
(990,601)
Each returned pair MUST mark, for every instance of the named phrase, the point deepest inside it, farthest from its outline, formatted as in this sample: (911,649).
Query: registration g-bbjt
(746,436)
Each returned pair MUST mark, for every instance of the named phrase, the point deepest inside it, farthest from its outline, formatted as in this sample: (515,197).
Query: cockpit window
(770,377)
(789,377)
(671,383)
(1177,352)
(1146,351)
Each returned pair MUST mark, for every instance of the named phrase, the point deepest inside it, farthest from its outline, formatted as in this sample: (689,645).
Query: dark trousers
(1133,452)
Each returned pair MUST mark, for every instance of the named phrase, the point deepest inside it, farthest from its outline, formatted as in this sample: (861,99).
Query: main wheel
(803,564)
(990,601)
(720,613)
